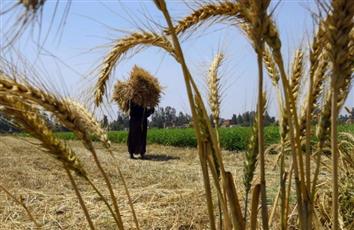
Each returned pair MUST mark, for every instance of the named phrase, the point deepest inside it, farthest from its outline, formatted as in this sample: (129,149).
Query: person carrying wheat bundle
(137,96)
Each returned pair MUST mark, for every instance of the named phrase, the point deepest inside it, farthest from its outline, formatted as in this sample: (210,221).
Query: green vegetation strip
(232,139)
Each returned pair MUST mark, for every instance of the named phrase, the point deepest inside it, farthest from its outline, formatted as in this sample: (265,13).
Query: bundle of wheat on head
(141,88)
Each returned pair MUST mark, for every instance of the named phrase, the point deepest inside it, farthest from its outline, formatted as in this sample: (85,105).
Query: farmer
(137,97)
(138,129)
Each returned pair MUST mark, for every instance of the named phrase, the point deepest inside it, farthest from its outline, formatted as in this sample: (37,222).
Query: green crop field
(233,139)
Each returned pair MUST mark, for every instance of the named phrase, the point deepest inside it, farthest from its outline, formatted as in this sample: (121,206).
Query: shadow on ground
(159,157)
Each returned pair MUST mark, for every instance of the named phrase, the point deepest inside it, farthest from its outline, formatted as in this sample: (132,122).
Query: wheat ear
(120,48)
(32,5)
(221,10)
(316,91)
(90,122)
(272,70)
(214,87)
(297,73)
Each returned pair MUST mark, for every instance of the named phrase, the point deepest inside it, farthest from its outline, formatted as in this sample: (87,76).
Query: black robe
(138,129)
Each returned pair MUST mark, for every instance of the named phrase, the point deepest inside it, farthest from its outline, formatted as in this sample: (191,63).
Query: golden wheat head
(214,87)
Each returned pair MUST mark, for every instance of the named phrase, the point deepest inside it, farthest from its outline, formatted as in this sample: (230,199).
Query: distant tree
(234,119)
(170,116)
(246,119)
(268,120)
(239,119)
(158,118)
(167,117)
(180,119)
(104,121)
(121,123)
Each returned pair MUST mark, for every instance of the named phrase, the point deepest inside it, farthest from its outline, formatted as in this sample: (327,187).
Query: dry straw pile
(142,88)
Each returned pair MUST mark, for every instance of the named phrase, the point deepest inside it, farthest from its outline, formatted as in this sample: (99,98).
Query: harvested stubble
(142,88)
(166,189)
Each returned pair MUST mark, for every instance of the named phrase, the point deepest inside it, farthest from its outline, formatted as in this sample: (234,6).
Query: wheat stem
(78,194)
(187,76)
(254,208)
(338,27)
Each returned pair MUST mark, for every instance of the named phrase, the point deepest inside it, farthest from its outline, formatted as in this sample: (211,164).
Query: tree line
(163,117)
(167,117)
(247,119)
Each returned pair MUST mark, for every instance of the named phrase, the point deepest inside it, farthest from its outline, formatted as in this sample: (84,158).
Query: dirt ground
(166,188)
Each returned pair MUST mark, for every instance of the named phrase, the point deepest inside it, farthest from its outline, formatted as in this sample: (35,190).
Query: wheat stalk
(317,75)
(187,76)
(190,84)
(338,28)
(256,16)
(273,72)
(214,96)
(120,48)
(316,79)
(251,155)
(272,39)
